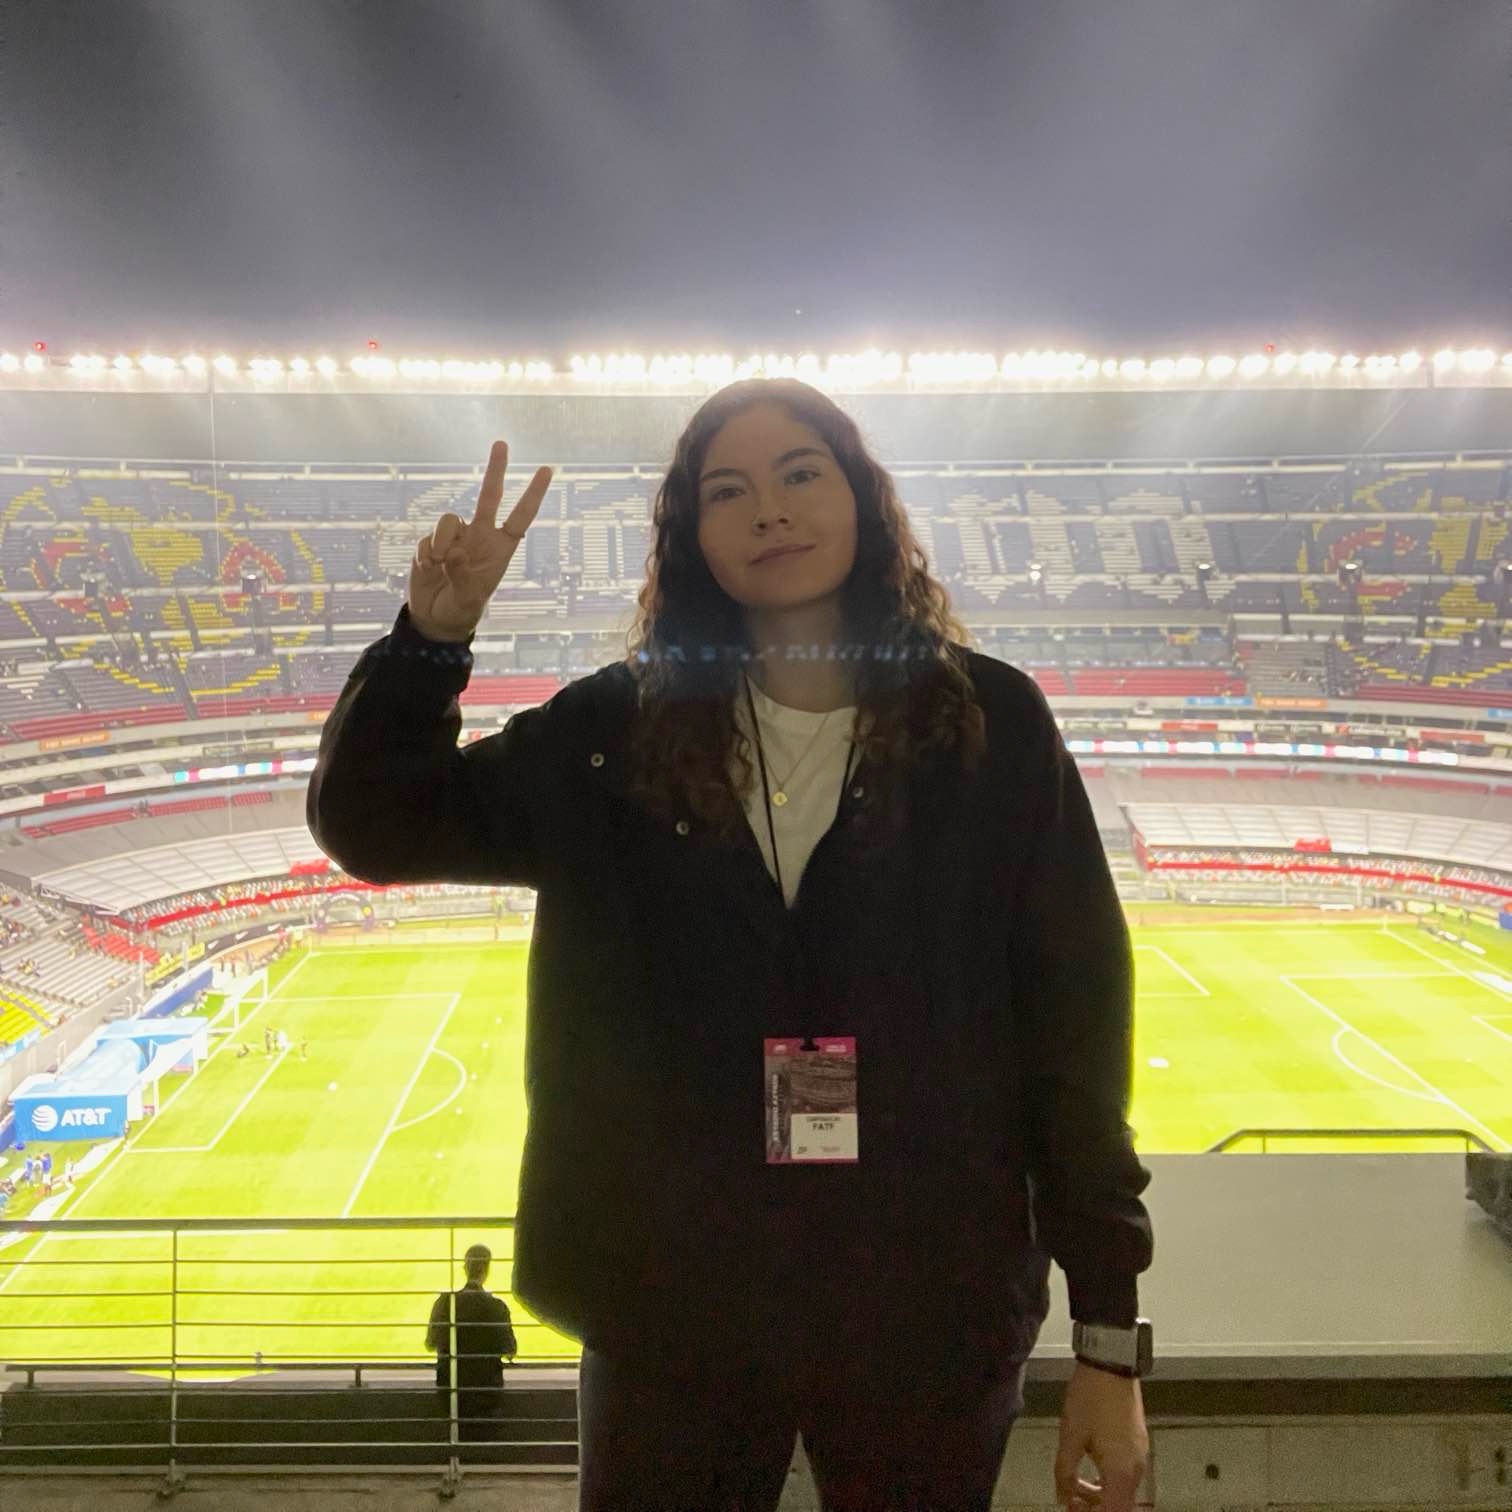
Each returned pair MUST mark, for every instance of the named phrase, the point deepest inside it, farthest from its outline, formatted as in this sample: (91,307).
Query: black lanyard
(766,794)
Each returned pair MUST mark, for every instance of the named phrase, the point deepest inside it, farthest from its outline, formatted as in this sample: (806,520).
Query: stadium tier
(159,601)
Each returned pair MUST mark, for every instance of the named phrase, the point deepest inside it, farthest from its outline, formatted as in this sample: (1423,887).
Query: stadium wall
(386,429)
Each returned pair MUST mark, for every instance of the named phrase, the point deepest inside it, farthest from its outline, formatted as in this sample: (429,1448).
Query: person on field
(472,1328)
(829,1018)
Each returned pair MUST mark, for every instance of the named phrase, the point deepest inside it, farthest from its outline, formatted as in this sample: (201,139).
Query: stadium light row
(684,372)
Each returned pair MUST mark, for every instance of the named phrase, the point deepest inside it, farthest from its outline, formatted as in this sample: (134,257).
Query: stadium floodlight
(859,369)
(1480,360)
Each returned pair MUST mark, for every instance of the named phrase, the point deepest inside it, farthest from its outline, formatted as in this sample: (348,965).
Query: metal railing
(1228,1141)
(168,1343)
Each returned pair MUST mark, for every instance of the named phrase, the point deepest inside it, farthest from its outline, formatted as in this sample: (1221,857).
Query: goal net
(242,994)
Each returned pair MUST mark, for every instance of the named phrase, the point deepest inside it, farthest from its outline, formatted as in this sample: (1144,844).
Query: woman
(828,1041)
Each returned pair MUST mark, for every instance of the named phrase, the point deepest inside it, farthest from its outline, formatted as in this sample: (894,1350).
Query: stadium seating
(169,556)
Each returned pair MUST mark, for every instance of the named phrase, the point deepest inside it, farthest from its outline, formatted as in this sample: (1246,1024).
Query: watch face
(1116,1346)
(1129,1348)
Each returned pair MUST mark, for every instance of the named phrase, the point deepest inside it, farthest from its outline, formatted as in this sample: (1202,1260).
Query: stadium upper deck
(156,610)
(153,599)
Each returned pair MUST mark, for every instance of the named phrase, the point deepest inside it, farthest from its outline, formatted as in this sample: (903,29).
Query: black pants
(719,1437)
(479,1413)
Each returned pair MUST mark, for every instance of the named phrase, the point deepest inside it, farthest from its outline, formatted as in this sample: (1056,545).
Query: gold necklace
(779,798)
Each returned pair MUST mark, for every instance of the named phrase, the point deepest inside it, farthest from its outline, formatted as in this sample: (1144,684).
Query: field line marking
(1177,967)
(401,948)
(1484,1019)
(129,1145)
(456,1092)
(409,1087)
(1371,976)
(1453,966)
(294,971)
(1197,927)
(1442,1097)
(366,997)
(236,1113)
(1371,1076)
(184,1085)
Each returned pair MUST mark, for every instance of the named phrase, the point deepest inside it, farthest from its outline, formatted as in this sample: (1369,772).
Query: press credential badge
(810,1098)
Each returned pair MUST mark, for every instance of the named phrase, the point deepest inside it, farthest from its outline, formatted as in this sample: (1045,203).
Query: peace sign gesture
(458,565)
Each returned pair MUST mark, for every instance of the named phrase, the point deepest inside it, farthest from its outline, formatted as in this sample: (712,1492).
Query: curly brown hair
(688,642)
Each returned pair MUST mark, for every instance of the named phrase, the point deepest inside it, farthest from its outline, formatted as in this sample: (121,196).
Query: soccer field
(411,1104)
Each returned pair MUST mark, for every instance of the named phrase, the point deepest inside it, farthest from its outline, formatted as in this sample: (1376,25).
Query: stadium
(255,1108)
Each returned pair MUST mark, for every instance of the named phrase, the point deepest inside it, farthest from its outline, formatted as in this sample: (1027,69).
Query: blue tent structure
(102,1094)
(95,1100)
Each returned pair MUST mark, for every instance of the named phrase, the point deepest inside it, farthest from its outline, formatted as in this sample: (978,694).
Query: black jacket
(982,962)
(484,1333)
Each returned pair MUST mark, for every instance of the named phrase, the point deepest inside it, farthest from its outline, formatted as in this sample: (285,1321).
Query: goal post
(242,994)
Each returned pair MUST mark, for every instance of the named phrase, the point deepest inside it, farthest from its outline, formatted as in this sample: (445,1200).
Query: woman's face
(769,480)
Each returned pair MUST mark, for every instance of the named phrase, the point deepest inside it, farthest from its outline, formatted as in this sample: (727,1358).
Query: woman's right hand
(458,565)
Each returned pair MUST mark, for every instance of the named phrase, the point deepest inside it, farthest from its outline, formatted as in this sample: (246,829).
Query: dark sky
(480,177)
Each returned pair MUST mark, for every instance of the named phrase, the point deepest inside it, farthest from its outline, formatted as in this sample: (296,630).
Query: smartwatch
(1123,1351)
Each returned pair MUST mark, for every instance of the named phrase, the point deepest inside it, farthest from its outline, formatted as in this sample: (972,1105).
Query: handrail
(1263,1134)
(169,1334)
(250,1374)
(234,1225)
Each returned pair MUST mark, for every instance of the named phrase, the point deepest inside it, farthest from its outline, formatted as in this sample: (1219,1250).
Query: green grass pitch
(1239,1024)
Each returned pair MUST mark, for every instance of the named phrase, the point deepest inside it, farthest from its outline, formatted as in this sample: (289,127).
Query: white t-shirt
(814,789)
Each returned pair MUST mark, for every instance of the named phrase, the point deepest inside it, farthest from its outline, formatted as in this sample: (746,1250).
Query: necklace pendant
(779,798)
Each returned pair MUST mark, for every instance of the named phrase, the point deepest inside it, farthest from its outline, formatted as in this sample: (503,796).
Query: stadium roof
(871,371)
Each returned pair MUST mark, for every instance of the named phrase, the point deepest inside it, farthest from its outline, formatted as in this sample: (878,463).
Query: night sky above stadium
(479,177)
